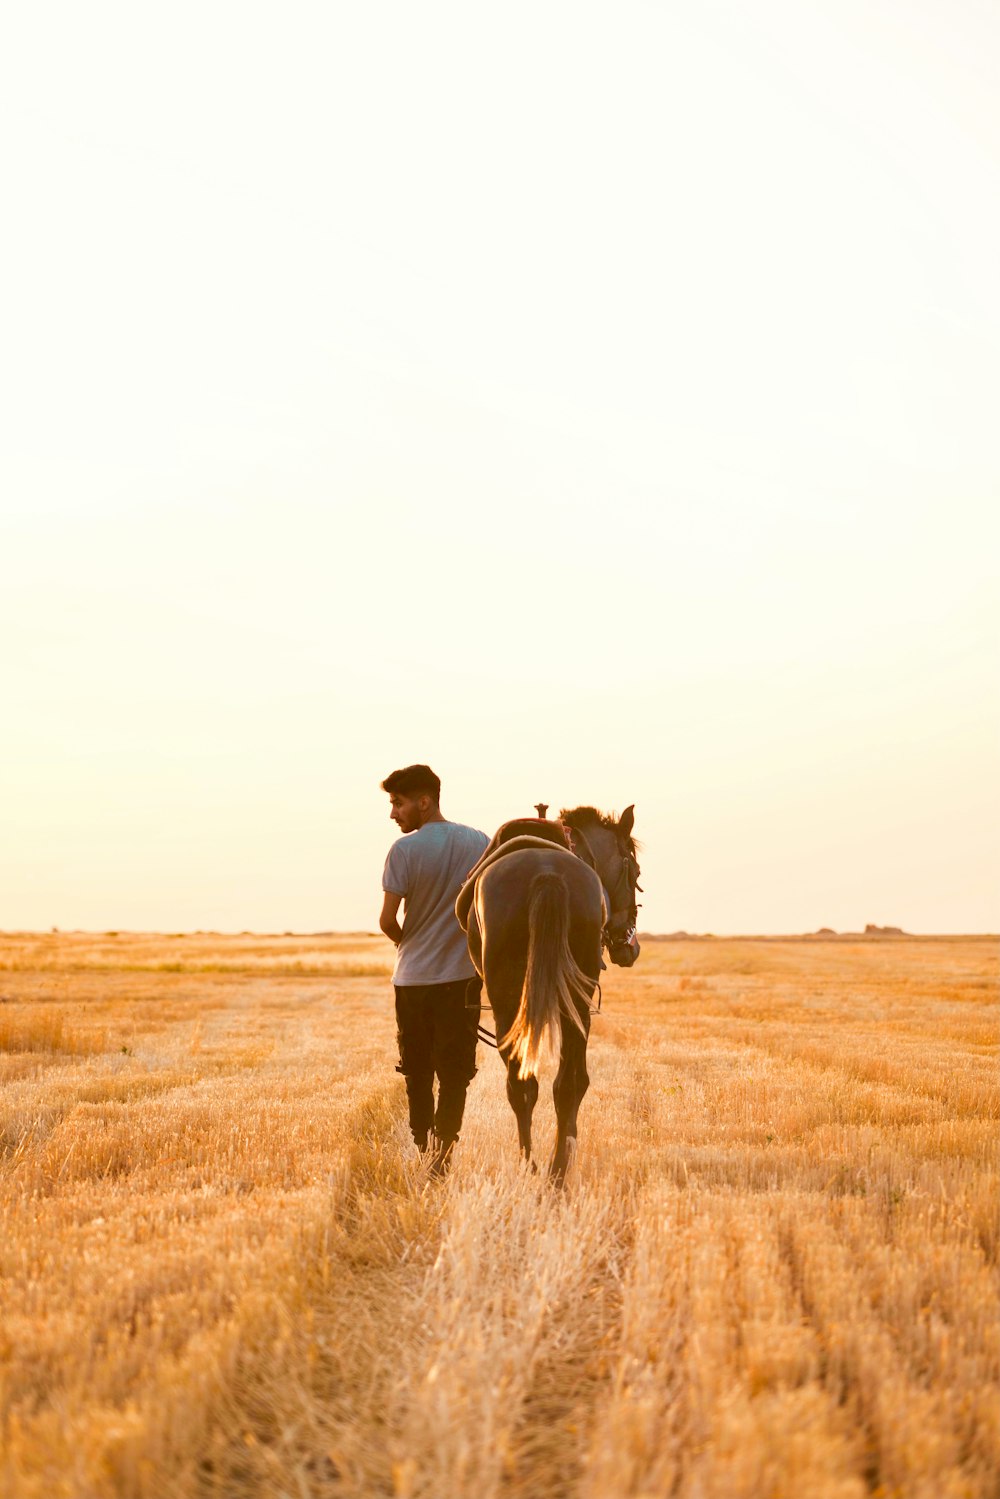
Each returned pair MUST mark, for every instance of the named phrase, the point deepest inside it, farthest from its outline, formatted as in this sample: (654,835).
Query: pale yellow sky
(596,401)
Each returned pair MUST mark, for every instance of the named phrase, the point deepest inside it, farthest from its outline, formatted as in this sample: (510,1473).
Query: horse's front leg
(568,1089)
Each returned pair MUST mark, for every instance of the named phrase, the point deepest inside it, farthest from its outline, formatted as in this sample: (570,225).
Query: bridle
(621,897)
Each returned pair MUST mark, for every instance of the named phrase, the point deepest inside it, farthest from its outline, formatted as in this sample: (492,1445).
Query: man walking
(437,1031)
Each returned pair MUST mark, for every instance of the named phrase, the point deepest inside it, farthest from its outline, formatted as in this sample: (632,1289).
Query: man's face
(408,812)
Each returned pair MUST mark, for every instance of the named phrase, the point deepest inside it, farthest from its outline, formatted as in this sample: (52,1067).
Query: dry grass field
(223,1272)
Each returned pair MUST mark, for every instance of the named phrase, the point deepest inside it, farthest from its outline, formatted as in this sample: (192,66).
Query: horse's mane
(584,817)
(581,816)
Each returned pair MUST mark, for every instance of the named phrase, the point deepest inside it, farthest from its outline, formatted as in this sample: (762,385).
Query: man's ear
(626,821)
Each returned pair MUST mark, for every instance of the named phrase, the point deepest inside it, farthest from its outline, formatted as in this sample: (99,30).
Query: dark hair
(414,780)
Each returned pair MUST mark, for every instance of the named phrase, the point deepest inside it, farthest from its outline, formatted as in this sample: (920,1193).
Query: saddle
(510,837)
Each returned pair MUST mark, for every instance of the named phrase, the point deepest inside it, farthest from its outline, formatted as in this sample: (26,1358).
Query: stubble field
(224,1273)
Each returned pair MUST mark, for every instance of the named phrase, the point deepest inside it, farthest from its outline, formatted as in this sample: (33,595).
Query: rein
(591,860)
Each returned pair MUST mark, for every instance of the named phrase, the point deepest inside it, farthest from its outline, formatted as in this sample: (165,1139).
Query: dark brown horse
(539,908)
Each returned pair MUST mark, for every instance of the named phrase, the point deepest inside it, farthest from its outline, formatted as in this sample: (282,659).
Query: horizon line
(873,933)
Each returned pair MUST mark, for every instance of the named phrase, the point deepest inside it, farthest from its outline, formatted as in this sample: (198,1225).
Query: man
(434,977)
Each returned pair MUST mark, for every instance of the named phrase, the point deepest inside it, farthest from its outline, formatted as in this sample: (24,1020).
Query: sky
(597,402)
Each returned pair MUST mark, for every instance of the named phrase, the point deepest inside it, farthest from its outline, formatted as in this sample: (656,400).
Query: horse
(538,910)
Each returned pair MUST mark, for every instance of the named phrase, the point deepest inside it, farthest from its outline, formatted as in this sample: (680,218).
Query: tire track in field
(461,1333)
(309,1396)
(574,1364)
(570,1380)
(910,1346)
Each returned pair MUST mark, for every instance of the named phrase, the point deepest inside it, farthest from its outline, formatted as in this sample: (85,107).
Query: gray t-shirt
(428,868)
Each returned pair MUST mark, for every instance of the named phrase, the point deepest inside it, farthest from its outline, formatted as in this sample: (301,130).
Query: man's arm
(387,921)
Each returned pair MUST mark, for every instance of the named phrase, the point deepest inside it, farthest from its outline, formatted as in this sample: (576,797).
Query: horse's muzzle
(625,952)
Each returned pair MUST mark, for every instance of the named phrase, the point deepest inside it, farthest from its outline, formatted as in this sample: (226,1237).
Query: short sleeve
(394,875)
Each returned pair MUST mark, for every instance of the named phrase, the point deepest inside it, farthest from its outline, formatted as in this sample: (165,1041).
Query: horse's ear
(626,821)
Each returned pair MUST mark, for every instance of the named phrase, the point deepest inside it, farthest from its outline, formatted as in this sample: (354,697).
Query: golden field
(774,1271)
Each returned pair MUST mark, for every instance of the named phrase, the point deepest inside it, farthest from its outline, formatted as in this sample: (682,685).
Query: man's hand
(387,921)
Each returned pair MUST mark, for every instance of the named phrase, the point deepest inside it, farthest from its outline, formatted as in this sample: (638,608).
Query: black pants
(437,1033)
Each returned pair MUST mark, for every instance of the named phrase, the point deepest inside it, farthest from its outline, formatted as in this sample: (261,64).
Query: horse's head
(607,845)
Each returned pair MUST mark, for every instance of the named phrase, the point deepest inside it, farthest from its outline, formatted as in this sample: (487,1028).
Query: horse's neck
(591,845)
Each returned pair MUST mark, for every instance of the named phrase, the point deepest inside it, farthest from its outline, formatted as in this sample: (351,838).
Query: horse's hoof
(560,1165)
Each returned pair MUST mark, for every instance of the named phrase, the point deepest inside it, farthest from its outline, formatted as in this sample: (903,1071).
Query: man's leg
(414,1033)
(456,1029)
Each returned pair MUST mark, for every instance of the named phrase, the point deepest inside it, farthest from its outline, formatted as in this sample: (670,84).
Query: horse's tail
(553,980)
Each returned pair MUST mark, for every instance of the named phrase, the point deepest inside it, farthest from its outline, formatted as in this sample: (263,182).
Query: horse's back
(512,875)
(502,903)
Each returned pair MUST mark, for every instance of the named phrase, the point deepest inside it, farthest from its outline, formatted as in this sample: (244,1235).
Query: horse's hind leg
(568,1089)
(522,1093)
